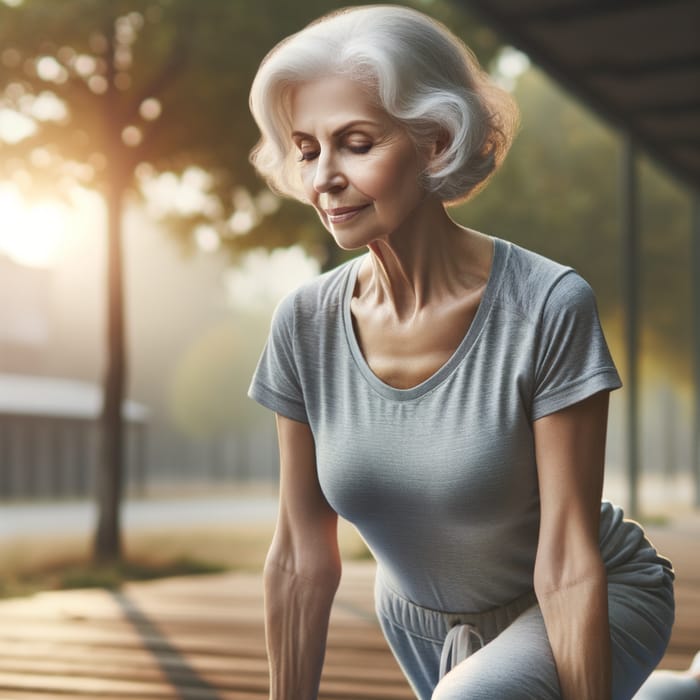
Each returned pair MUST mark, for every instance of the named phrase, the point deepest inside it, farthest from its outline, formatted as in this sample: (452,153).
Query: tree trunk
(107,544)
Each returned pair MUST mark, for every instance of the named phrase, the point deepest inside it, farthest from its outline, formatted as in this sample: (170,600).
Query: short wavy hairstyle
(415,69)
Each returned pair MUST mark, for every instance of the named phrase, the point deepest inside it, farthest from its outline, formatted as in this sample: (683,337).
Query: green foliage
(211,378)
(112,577)
(80,574)
(666,276)
(162,84)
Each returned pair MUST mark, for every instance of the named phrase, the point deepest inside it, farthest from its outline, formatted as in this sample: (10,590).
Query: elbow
(557,574)
(284,573)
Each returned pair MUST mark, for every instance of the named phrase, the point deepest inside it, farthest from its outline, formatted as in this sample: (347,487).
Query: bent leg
(640,624)
(517,665)
(640,600)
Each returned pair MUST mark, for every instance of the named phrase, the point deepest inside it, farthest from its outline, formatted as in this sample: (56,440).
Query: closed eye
(363,148)
(307,155)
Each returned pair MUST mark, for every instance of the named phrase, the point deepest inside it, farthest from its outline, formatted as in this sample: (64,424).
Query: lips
(341,214)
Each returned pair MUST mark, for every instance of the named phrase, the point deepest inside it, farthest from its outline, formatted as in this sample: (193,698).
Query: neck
(425,263)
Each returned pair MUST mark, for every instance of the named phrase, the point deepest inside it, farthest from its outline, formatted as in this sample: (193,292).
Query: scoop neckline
(470,336)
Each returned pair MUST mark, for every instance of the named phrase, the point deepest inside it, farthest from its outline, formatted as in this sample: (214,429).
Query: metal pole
(629,188)
(695,275)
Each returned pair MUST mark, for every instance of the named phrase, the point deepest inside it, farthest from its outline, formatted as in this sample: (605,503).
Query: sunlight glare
(32,234)
(263,277)
(15,126)
(510,64)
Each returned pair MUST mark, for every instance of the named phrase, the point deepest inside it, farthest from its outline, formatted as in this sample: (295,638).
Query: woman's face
(359,169)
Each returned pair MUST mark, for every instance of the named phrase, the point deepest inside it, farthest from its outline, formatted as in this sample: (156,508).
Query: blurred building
(49,438)
(48,425)
(51,353)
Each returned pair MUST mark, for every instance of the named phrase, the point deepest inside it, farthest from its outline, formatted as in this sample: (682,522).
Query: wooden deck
(202,638)
(192,637)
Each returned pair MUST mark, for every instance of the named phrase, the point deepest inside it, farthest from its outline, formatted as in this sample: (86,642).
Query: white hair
(415,69)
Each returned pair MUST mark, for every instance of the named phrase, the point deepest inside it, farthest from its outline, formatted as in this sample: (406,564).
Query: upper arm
(572,359)
(305,538)
(570,454)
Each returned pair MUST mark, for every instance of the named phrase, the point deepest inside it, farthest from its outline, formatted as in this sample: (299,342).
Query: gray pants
(512,657)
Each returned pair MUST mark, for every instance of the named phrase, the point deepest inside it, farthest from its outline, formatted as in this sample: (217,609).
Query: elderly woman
(446,392)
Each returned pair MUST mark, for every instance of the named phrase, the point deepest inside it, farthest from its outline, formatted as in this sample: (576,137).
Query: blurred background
(141,259)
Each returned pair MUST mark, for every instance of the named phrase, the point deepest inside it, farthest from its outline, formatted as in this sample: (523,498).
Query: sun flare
(32,233)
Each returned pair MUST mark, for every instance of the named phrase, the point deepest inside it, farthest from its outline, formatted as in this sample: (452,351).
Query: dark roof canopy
(635,62)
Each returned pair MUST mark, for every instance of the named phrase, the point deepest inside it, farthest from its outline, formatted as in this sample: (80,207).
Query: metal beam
(695,275)
(672,108)
(589,9)
(580,83)
(629,192)
(640,67)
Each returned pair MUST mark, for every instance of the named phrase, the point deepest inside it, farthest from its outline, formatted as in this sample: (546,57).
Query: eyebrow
(341,129)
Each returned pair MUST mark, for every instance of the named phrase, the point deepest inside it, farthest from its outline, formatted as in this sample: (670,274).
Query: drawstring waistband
(435,624)
(458,634)
(458,646)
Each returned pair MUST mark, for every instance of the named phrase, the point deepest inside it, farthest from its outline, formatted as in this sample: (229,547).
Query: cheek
(386,178)
(306,177)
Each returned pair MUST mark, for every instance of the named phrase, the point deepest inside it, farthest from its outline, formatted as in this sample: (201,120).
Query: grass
(32,564)
(83,574)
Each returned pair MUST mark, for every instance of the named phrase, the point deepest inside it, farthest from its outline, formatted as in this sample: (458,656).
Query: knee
(460,692)
(448,691)
(478,683)
(459,684)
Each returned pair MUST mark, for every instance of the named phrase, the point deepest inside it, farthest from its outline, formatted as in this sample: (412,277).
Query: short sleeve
(573,360)
(276,383)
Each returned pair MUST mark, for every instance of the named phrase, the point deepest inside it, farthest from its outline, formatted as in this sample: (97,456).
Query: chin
(347,243)
(349,240)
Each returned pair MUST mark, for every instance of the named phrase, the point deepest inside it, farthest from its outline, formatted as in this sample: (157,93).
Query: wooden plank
(85,687)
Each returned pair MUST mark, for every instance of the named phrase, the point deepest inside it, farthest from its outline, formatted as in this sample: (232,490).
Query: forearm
(576,618)
(297,610)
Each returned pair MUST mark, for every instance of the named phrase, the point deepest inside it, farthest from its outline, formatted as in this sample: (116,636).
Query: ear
(436,147)
(441,142)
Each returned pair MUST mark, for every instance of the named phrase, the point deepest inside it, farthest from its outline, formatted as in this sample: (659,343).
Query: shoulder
(314,299)
(536,285)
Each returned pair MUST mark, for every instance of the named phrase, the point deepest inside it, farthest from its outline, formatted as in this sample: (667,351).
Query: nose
(328,176)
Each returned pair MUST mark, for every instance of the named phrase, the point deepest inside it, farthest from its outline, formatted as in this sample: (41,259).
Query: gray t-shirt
(441,479)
